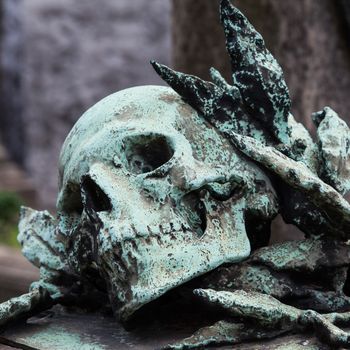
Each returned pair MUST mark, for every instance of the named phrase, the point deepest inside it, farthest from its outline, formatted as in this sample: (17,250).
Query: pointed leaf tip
(199,292)
(201,95)
(157,66)
(166,73)
(231,16)
(154,64)
(225,4)
(256,73)
(206,294)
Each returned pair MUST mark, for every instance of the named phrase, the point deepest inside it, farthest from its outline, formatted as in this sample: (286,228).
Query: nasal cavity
(196,212)
(94,197)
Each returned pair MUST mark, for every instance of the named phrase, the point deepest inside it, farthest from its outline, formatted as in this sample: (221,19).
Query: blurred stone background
(60,57)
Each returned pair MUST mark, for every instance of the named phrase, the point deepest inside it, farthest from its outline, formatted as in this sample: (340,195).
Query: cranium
(158,184)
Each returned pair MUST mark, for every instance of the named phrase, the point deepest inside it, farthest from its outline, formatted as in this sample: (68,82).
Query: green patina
(161,186)
(62,338)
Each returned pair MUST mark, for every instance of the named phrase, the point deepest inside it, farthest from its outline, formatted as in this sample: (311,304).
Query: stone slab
(60,330)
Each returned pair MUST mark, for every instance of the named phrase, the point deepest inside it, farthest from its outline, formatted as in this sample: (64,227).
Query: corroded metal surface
(144,211)
(59,330)
(168,196)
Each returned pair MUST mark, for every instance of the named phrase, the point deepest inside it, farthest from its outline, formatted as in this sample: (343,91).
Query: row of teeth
(123,257)
(126,252)
(120,259)
(130,246)
(131,232)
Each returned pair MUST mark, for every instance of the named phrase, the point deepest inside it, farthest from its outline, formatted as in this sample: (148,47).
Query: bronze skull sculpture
(159,186)
(142,179)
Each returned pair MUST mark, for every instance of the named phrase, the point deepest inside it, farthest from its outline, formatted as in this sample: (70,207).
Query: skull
(156,182)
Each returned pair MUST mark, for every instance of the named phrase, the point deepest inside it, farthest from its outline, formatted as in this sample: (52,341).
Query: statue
(160,186)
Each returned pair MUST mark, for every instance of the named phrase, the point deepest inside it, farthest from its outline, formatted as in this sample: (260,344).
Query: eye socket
(145,153)
(94,196)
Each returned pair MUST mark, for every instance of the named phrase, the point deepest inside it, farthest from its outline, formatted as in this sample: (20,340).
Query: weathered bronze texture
(164,189)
